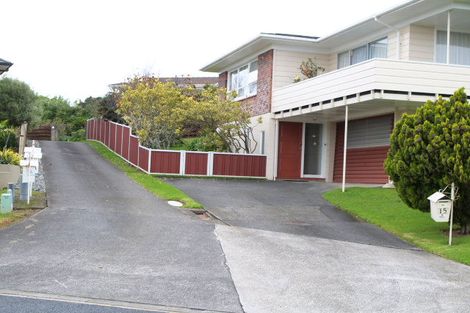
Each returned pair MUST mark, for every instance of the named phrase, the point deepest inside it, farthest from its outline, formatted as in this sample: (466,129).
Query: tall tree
(16,101)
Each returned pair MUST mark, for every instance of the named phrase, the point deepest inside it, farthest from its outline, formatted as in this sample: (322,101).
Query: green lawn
(384,208)
(153,184)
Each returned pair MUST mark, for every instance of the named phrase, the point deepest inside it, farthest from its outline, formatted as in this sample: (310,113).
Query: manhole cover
(175,203)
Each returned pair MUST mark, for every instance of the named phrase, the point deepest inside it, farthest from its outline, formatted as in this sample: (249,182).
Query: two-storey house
(374,72)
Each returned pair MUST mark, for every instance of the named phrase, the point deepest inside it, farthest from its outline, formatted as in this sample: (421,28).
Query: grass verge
(37,201)
(153,184)
(22,210)
(15,216)
(385,209)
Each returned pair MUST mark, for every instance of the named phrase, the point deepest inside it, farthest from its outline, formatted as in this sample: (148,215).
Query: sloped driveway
(105,237)
(283,206)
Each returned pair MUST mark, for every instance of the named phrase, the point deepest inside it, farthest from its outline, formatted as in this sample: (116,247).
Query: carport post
(345,148)
(448,38)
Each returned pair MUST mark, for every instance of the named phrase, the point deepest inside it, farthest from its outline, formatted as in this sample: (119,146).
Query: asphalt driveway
(105,237)
(283,206)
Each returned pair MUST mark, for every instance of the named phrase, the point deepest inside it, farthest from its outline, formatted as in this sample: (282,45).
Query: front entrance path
(105,237)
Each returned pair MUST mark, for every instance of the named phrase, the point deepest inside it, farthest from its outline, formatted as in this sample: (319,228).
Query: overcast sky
(75,49)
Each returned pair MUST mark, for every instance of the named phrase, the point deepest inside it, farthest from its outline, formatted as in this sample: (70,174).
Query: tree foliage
(224,124)
(16,101)
(8,136)
(161,113)
(155,110)
(429,150)
(69,119)
(106,107)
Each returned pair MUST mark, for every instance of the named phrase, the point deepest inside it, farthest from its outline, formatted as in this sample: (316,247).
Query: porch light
(4,66)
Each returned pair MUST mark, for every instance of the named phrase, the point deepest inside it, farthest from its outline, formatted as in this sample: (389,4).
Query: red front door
(290,150)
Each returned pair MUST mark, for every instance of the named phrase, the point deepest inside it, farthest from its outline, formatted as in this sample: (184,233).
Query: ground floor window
(371,132)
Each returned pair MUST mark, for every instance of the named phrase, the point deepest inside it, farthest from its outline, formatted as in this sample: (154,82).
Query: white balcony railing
(378,76)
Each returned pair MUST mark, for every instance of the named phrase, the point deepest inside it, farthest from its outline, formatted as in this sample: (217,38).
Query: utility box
(6,203)
(440,207)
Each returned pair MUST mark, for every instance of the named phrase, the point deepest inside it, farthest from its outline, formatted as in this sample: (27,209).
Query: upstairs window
(459,48)
(374,49)
(244,80)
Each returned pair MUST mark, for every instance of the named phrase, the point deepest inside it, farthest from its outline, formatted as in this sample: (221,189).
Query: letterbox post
(452,198)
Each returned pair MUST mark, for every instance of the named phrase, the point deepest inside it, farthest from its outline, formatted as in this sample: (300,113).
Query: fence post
(210,163)
(182,162)
(138,152)
(122,138)
(150,161)
(115,137)
(109,135)
(23,131)
(129,144)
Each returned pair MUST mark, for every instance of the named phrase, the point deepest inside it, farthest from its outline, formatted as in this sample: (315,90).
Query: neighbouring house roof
(189,80)
(4,65)
(2,61)
(385,22)
(182,81)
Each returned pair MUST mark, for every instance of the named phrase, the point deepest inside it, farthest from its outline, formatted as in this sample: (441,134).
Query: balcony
(385,79)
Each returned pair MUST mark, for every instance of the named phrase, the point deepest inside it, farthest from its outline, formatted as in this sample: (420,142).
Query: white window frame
(349,51)
(249,82)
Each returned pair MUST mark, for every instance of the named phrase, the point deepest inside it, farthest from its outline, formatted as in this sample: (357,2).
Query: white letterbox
(440,207)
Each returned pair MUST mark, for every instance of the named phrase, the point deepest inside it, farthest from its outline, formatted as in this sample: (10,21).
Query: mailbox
(440,207)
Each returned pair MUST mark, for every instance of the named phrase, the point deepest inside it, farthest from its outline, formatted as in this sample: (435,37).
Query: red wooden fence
(119,138)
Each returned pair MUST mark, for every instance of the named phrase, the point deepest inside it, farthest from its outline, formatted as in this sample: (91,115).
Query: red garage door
(368,144)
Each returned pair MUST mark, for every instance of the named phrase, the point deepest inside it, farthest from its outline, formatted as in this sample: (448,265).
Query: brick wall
(223,80)
(261,103)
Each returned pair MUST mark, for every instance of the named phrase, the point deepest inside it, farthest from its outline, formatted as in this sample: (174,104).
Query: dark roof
(179,81)
(292,35)
(5,62)
(190,80)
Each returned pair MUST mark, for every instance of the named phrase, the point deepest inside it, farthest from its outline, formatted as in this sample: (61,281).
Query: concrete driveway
(105,237)
(283,206)
(290,251)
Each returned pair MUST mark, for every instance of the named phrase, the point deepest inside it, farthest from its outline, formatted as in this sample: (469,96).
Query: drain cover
(175,203)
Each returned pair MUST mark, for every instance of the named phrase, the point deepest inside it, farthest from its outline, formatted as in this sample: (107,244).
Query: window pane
(241,92)
(233,81)
(243,76)
(359,55)
(441,44)
(343,59)
(459,48)
(378,49)
(254,66)
(252,77)
(253,87)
